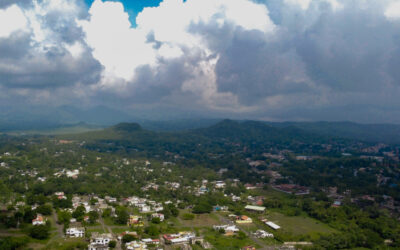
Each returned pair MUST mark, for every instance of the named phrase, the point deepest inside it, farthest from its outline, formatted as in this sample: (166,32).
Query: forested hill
(386,133)
(254,131)
(132,135)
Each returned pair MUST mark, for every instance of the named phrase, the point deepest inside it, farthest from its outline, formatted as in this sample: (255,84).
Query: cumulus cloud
(43,48)
(291,59)
(393,10)
(15,19)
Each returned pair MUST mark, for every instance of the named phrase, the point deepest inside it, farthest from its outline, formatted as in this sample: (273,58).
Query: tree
(39,232)
(93,216)
(63,217)
(241,235)
(155,220)
(128,238)
(106,213)
(79,213)
(11,243)
(152,230)
(202,207)
(29,215)
(44,209)
(122,215)
(188,216)
(112,244)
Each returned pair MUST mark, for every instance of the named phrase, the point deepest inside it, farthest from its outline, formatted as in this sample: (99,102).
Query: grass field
(220,241)
(299,225)
(119,230)
(200,220)
(95,229)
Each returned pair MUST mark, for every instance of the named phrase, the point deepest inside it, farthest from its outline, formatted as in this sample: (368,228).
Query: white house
(227,228)
(263,234)
(39,220)
(158,215)
(272,225)
(145,209)
(255,208)
(99,241)
(135,245)
(220,184)
(74,232)
(73,173)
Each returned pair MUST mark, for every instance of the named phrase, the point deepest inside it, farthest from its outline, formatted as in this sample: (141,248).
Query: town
(71,193)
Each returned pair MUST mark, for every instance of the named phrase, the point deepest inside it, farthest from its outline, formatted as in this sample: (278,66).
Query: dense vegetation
(126,158)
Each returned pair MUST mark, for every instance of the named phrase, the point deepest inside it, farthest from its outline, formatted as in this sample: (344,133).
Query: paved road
(106,229)
(59,227)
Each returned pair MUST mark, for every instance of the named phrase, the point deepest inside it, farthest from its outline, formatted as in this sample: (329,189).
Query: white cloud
(117,46)
(168,52)
(222,56)
(393,10)
(11,19)
(171,20)
(167,32)
(305,4)
(75,49)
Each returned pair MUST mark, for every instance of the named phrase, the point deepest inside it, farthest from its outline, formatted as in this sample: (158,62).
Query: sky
(276,60)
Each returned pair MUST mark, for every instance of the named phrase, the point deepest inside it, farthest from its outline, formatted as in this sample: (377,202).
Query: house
(135,245)
(220,184)
(220,208)
(144,209)
(272,225)
(39,220)
(60,195)
(226,228)
(158,207)
(337,203)
(249,187)
(41,179)
(99,241)
(243,219)
(151,241)
(135,220)
(248,248)
(263,234)
(72,174)
(75,232)
(235,198)
(110,199)
(158,215)
(255,208)
(93,246)
(134,234)
(179,238)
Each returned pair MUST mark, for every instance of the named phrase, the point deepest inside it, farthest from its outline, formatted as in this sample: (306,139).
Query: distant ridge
(127,127)
(386,133)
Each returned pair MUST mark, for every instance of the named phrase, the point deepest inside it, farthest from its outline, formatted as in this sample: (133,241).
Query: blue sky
(133,7)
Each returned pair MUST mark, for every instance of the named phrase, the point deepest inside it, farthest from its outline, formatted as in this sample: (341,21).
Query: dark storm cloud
(7,3)
(319,63)
(27,63)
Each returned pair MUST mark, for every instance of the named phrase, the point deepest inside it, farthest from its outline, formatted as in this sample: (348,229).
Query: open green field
(299,225)
(219,241)
(95,229)
(119,230)
(200,220)
(66,244)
